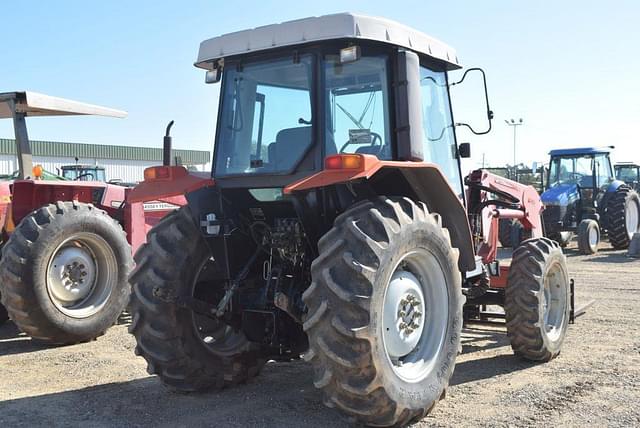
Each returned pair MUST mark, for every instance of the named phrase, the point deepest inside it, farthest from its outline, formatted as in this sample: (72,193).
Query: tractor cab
(629,172)
(586,172)
(336,92)
(83,172)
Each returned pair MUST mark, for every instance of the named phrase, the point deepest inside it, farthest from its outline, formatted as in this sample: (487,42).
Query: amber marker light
(37,172)
(157,173)
(354,161)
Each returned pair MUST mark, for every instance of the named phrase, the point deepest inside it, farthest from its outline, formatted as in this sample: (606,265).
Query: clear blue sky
(569,68)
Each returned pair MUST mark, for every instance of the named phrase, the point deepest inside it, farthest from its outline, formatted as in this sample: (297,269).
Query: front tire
(588,237)
(64,273)
(537,300)
(623,215)
(189,352)
(383,354)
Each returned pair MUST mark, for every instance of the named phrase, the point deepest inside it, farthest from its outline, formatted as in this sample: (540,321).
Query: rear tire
(171,337)
(623,216)
(64,273)
(357,346)
(4,316)
(504,232)
(537,300)
(588,237)
(517,234)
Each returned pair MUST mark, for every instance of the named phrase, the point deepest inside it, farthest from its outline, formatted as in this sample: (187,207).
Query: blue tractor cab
(584,197)
(629,172)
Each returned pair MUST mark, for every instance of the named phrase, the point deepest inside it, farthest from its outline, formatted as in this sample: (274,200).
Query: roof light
(350,54)
(343,161)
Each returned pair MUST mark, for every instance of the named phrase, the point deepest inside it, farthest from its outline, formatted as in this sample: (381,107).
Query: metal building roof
(328,27)
(34,104)
(99,151)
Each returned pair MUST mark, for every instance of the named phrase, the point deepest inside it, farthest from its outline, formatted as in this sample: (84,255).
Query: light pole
(514,124)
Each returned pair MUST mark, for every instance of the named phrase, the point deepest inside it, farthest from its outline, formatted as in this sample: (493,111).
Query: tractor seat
(290,145)
(586,181)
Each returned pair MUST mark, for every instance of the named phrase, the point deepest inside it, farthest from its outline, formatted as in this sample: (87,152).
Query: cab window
(439,138)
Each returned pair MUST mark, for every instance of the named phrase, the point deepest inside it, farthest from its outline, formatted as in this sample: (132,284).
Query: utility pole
(514,124)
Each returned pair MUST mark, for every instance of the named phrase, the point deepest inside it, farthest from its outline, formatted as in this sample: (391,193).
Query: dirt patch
(595,380)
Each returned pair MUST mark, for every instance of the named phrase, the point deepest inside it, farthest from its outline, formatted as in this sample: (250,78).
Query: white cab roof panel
(35,104)
(328,27)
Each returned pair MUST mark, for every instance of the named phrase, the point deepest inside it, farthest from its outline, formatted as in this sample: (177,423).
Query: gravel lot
(595,381)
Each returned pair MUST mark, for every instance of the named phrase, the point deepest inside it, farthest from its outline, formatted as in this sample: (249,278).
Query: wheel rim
(81,275)
(217,336)
(593,237)
(554,302)
(565,237)
(415,315)
(632,218)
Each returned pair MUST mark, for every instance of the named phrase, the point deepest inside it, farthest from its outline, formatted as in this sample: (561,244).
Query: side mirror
(489,112)
(213,76)
(464,150)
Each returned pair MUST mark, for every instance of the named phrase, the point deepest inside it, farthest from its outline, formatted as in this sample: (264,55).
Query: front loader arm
(512,200)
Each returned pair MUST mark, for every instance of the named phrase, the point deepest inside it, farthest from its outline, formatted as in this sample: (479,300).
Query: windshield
(571,170)
(627,173)
(265,118)
(84,174)
(357,100)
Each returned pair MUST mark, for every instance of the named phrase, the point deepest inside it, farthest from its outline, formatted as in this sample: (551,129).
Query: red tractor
(335,225)
(66,245)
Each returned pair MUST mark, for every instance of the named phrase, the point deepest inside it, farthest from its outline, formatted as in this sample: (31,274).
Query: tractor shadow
(604,255)
(13,341)
(282,396)
(473,366)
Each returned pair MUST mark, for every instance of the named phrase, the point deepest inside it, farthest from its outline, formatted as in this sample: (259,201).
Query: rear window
(265,124)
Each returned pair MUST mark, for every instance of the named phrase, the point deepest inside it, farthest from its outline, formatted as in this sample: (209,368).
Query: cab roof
(581,151)
(323,28)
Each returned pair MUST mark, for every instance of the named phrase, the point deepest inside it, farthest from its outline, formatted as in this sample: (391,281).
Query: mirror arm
(486,98)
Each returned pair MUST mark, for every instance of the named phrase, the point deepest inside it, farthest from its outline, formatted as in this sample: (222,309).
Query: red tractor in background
(66,245)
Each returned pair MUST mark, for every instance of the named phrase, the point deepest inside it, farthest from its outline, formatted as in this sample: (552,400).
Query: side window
(439,138)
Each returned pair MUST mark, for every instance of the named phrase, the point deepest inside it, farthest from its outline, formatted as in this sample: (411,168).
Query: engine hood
(561,195)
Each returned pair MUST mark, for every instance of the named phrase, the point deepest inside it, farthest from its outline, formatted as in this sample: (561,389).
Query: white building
(126,163)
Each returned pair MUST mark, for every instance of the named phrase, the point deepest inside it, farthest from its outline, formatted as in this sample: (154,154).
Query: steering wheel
(375,138)
(86,174)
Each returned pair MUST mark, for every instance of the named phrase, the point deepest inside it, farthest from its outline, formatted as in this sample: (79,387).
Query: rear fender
(152,199)
(421,181)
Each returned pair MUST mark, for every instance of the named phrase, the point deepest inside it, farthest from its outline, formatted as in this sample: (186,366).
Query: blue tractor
(584,197)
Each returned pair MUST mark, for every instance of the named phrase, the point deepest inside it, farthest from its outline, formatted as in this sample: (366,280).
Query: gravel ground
(595,381)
